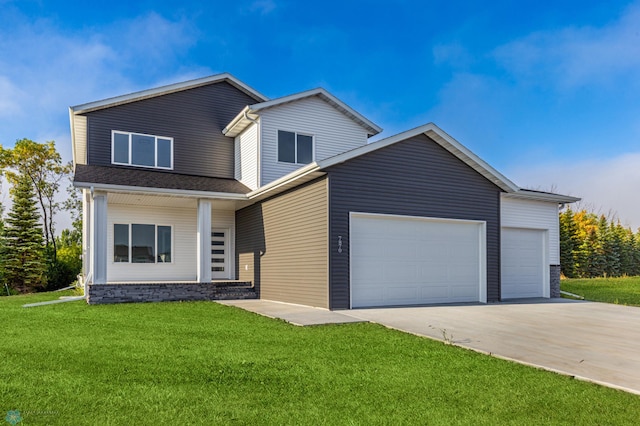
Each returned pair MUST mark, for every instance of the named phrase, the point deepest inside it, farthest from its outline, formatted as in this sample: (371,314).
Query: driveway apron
(596,342)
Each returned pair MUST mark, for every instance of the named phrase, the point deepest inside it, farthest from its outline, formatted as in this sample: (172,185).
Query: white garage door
(522,263)
(398,260)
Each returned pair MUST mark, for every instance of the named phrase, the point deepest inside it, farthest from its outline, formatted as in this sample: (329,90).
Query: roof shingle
(154,179)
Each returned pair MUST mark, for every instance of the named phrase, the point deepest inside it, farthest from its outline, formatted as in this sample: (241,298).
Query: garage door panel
(422,261)
(522,263)
(400,271)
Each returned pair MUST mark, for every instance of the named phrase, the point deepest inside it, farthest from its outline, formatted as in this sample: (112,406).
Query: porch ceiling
(166,201)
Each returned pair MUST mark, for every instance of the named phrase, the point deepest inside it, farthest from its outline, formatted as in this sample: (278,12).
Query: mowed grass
(204,363)
(623,291)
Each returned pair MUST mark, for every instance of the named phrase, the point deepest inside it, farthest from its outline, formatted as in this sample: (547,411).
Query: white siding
(246,157)
(227,219)
(529,214)
(183,222)
(80,124)
(333,133)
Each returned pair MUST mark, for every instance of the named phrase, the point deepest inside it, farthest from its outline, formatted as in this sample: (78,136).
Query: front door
(220,253)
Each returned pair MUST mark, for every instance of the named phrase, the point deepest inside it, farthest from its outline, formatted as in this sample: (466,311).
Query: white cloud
(44,69)
(577,56)
(605,185)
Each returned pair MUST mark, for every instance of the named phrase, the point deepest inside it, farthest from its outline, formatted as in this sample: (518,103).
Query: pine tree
(24,261)
(568,243)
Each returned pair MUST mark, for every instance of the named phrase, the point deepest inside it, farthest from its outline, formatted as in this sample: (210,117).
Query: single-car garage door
(399,260)
(522,263)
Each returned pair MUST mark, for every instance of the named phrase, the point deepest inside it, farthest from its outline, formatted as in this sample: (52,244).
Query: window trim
(155,255)
(155,152)
(295,152)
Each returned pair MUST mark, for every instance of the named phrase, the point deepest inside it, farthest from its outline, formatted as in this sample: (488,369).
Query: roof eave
(239,122)
(158,191)
(293,179)
(73,137)
(441,138)
(524,194)
(163,90)
(371,127)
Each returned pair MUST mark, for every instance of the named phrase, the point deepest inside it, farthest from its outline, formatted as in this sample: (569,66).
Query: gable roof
(164,90)
(78,121)
(442,139)
(435,133)
(132,179)
(243,119)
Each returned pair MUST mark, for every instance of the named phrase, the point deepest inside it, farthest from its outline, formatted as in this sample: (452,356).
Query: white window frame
(313,147)
(155,150)
(155,256)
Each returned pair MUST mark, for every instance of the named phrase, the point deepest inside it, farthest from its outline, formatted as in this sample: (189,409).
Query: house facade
(195,189)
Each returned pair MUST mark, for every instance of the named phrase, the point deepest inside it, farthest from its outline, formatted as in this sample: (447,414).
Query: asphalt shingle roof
(155,179)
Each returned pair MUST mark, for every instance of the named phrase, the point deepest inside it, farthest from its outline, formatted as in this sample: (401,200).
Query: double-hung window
(141,243)
(295,147)
(137,149)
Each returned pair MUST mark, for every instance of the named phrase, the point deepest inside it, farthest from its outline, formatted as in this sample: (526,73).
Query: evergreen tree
(24,262)
(568,243)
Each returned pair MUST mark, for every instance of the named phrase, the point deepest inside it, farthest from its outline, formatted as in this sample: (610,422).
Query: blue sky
(546,92)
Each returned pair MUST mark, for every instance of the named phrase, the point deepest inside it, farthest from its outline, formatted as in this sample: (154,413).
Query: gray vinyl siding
(282,247)
(194,118)
(416,177)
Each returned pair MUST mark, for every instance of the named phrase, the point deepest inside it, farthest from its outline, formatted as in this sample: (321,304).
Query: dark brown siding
(282,246)
(194,118)
(416,177)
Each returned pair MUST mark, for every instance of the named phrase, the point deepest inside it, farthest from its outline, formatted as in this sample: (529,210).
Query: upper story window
(136,149)
(295,147)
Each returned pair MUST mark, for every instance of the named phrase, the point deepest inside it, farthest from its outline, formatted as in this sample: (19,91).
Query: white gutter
(304,171)
(538,196)
(156,191)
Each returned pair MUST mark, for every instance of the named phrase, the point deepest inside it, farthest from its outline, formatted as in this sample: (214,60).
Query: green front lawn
(624,291)
(204,363)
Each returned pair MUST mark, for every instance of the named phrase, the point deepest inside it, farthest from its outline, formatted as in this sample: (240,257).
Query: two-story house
(205,185)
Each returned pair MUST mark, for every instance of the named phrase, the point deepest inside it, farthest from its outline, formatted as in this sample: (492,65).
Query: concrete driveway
(597,342)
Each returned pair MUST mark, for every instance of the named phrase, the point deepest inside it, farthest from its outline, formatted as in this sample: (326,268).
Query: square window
(143,150)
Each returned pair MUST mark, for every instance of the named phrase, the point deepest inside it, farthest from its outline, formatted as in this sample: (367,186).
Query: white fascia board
(441,138)
(371,127)
(157,191)
(73,136)
(524,194)
(285,180)
(239,122)
(479,165)
(163,90)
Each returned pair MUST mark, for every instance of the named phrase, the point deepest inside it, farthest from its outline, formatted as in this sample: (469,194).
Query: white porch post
(99,239)
(204,241)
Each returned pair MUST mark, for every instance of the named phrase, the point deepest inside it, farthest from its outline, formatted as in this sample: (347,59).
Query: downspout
(258,140)
(89,277)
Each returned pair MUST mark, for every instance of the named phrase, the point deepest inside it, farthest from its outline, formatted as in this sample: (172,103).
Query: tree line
(593,245)
(32,256)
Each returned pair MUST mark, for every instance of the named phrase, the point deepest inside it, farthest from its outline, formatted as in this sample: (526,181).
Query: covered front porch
(152,247)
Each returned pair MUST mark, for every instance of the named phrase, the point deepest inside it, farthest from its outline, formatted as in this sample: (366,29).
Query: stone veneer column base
(554,272)
(167,292)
